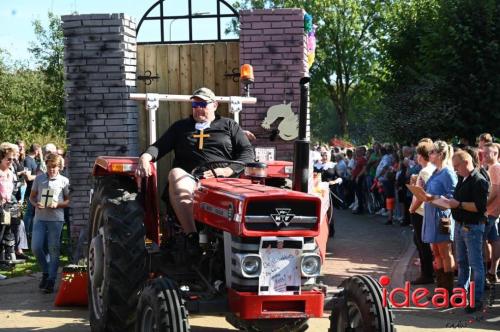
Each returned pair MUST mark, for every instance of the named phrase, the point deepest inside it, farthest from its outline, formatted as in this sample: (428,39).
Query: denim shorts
(491,229)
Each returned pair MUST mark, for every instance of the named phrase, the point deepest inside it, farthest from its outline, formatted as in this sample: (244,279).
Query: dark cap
(204,93)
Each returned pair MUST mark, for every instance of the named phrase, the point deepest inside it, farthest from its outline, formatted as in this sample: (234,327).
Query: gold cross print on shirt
(201,137)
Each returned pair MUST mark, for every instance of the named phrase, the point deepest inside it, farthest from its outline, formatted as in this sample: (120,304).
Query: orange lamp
(246,73)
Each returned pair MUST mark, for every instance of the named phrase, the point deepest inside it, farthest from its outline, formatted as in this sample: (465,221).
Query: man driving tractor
(203,137)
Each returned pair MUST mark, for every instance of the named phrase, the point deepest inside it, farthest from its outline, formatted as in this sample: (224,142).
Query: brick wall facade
(274,43)
(100,67)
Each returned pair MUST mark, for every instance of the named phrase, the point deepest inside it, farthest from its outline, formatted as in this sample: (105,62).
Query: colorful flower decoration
(310,29)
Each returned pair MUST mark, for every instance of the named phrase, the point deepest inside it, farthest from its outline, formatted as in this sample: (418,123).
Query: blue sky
(16,17)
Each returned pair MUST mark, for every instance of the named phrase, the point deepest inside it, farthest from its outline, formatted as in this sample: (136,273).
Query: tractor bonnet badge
(283,216)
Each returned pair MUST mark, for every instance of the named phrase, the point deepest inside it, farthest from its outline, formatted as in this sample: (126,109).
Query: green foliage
(441,62)
(346,55)
(31,100)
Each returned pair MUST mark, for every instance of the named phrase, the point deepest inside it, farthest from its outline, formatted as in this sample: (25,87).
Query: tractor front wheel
(116,255)
(161,308)
(361,309)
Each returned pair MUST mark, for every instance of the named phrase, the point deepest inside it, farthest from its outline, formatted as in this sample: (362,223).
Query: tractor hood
(241,207)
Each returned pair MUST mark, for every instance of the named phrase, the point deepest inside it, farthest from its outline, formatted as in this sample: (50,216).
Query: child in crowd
(49,218)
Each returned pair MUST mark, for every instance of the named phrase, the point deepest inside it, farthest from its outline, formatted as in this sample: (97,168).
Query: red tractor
(263,247)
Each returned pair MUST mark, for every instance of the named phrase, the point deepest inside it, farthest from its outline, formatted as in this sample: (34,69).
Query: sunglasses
(10,159)
(196,104)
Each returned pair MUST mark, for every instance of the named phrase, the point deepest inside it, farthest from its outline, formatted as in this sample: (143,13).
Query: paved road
(362,245)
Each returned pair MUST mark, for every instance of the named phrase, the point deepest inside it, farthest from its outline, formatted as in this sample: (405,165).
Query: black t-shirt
(473,189)
(31,164)
(223,140)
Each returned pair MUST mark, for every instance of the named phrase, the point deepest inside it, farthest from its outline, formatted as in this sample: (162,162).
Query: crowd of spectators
(455,225)
(23,176)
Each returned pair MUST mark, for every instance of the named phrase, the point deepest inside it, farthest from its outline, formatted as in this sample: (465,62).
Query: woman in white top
(417,213)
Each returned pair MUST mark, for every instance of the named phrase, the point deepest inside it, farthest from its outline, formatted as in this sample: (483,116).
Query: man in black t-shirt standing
(202,137)
(31,168)
(468,209)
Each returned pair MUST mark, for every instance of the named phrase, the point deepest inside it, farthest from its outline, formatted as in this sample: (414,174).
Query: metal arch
(190,17)
(159,2)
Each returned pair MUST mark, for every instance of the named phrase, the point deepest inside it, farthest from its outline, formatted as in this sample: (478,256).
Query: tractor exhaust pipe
(301,148)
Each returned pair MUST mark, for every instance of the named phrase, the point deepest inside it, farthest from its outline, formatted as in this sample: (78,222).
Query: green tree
(48,50)
(441,62)
(31,100)
(346,52)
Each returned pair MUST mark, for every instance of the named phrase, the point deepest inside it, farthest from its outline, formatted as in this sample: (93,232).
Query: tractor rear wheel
(161,309)
(116,255)
(361,309)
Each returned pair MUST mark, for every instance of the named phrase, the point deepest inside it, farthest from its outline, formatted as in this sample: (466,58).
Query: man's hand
(221,172)
(39,205)
(454,203)
(336,181)
(144,167)
(249,135)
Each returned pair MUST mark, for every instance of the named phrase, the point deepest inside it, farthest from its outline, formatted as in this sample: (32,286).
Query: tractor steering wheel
(212,165)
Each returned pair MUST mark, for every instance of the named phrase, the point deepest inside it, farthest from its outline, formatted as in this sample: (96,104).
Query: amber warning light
(246,74)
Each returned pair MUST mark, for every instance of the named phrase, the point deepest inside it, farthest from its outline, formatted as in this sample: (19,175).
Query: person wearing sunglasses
(204,136)
(438,225)
(7,237)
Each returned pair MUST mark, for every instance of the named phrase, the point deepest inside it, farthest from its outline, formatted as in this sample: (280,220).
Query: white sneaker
(2,277)
(384,214)
(379,212)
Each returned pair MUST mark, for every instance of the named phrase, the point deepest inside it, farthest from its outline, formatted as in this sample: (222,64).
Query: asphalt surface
(362,245)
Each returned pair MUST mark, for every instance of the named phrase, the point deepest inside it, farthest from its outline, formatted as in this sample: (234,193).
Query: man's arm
(478,204)
(242,149)
(495,191)
(155,151)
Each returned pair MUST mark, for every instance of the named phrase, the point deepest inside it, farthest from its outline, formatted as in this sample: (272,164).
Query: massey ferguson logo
(283,216)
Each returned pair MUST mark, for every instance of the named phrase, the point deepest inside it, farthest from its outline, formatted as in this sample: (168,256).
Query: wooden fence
(182,69)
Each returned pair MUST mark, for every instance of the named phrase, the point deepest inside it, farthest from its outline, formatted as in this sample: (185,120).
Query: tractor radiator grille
(281,215)
(251,246)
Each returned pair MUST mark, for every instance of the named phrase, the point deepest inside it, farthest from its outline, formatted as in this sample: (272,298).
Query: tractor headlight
(310,265)
(250,265)
(256,170)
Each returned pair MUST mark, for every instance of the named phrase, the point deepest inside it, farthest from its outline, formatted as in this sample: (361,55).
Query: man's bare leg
(181,188)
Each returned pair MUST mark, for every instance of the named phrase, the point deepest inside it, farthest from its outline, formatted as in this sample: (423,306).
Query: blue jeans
(469,254)
(47,232)
(28,217)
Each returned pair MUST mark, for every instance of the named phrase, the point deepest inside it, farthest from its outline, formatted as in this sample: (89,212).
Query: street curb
(404,262)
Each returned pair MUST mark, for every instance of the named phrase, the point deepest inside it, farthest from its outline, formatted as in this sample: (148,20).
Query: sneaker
(43,282)
(379,212)
(384,214)
(49,287)
(477,307)
(2,277)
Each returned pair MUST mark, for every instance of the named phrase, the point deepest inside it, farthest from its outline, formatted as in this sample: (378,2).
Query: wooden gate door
(182,69)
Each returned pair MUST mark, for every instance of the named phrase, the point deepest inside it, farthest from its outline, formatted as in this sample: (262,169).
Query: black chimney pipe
(301,148)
